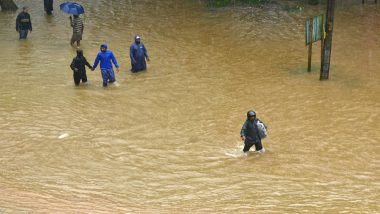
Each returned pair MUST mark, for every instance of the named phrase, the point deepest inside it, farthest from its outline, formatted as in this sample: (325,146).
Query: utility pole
(310,44)
(328,41)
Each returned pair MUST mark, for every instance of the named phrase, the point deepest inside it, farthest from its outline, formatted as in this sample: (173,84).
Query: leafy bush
(224,3)
(313,2)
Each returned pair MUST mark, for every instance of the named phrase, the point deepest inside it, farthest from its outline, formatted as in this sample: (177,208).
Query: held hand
(148,59)
(117,69)
(243,138)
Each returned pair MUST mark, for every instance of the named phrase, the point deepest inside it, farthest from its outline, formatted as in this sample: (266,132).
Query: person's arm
(243,129)
(96,62)
(82,28)
(146,53)
(88,64)
(72,66)
(115,62)
(131,54)
(30,24)
(18,22)
(71,21)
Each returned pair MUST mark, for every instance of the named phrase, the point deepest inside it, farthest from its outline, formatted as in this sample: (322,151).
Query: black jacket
(78,64)
(23,21)
(250,130)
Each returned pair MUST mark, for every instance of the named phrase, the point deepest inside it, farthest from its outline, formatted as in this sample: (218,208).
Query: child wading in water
(78,67)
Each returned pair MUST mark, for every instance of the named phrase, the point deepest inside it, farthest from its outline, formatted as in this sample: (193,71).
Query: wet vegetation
(226,3)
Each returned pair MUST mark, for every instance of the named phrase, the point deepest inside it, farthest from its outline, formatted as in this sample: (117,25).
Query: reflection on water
(167,140)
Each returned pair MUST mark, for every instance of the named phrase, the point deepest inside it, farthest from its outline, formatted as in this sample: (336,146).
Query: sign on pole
(317,29)
(314,31)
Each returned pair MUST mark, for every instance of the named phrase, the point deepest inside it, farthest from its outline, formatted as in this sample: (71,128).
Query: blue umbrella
(72,8)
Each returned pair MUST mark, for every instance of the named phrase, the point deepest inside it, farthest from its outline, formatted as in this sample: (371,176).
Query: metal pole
(310,43)
(322,40)
(328,41)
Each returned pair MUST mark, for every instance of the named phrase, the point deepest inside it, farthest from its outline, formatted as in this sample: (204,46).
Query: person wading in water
(78,27)
(78,66)
(250,133)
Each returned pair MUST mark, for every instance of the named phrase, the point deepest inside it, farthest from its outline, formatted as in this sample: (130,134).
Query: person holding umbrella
(76,23)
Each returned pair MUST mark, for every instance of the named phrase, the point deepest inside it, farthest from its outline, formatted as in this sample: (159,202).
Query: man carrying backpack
(252,132)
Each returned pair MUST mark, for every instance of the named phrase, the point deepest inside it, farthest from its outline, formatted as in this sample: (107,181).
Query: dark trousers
(249,143)
(78,76)
(23,33)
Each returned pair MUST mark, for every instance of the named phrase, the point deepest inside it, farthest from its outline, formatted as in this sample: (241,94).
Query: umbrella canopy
(72,8)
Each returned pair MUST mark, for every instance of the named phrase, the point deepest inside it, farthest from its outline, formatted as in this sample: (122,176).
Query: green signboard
(317,29)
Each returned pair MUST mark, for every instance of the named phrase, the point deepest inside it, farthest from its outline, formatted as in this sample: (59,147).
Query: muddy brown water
(167,140)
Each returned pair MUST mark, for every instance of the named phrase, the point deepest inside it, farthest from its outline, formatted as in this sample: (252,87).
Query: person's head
(137,39)
(25,9)
(79,52)
(251,115)
(103,47)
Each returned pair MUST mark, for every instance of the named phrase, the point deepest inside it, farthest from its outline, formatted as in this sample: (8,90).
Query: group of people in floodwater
(106,58)
(252,132)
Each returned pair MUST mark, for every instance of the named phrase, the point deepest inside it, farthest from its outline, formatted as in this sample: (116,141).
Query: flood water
(167,140)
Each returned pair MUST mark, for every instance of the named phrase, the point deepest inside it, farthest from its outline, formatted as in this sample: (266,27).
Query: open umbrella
(72,8)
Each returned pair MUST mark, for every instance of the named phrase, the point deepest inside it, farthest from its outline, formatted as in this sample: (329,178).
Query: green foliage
(221,3)
(224,3)
(254,1)
(313,2)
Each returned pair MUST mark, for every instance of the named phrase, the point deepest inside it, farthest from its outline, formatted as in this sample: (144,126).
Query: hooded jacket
(250,130)
(79,62)
(106,59)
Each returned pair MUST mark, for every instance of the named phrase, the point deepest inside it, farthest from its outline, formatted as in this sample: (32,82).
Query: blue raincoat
(106,59)
(138,53)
